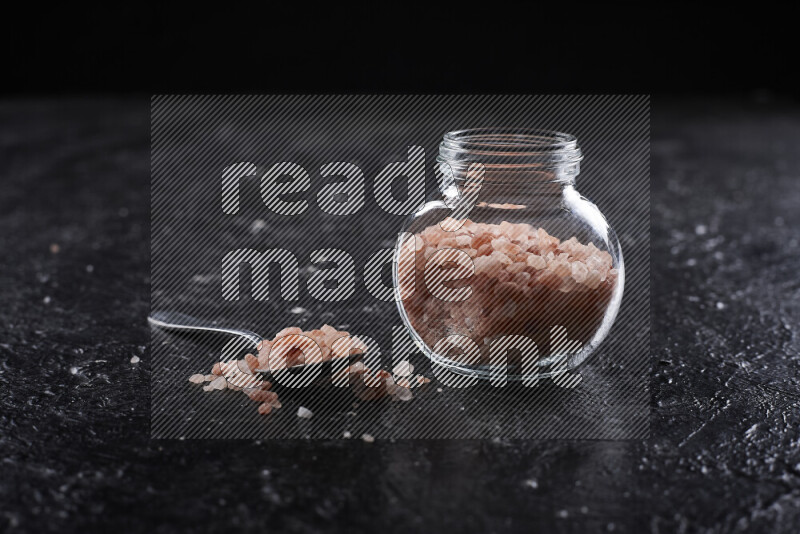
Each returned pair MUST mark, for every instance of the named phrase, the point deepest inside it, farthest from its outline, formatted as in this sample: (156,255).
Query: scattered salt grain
(297,310)
(197,379)
(403,368)
(346,434)
(531,483)
(701,229)
(54,248)
(403,394)
(46,300)
(257,226)
(403,382)
(135,359)
(304,413)
(218,383)
(73,370)
(90,269)
(367,438)
(720,305)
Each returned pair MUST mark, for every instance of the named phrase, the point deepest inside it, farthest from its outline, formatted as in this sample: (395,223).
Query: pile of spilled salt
(525,282)
(291,347)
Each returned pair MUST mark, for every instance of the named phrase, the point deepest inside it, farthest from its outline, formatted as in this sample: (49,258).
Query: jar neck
(518,165)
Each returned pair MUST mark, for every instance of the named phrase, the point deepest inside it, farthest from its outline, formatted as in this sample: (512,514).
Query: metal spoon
(180,322)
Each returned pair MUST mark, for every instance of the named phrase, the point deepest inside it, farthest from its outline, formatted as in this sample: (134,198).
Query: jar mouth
(513,147)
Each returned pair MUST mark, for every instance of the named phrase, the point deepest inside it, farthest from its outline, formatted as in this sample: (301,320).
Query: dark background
(605,47)
(75,452)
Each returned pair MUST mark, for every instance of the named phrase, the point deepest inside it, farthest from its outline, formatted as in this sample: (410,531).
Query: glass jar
(513,271)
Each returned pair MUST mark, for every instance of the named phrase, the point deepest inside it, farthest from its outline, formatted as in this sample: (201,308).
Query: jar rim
(503,146)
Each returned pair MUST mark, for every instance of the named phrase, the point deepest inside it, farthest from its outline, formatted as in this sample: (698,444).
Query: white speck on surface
(439,390)
(297,309)
(257,226)
(304,413)
(135,359)
(701,229)
(47,300)
(691,262)
(90,268)
(346,434)
(367,438)
(563,514)
(531,483)
(693,298)
(73,370)
(752,430)
(720,305)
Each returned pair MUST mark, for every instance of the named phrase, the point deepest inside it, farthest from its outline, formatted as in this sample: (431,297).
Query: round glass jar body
(512,271)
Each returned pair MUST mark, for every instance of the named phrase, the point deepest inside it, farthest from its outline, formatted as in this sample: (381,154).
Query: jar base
(489,372)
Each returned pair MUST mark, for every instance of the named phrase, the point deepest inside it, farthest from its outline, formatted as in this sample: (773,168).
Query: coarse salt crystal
(304,413)
(579,271)
(537,262)
(367,438)
(197,379)
(403,368)
(218,383)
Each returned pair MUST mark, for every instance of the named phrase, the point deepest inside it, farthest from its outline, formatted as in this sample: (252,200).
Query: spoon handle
(180,322)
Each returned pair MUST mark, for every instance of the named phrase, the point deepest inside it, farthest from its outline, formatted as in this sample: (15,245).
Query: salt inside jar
(531,280)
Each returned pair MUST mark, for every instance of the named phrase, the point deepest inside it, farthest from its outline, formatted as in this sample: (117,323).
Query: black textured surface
(724,452)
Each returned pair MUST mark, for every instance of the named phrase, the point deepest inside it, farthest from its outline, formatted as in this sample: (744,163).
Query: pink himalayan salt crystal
(560,268)
(290,331)
(517,267)
(500,257)
(218,383)
(484,264)
(579,271)
(521,278)
(537,262)
(252,362)
(593,280)
(403,368)
(197,379)
(485,250)
(403,382)
(514,263)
